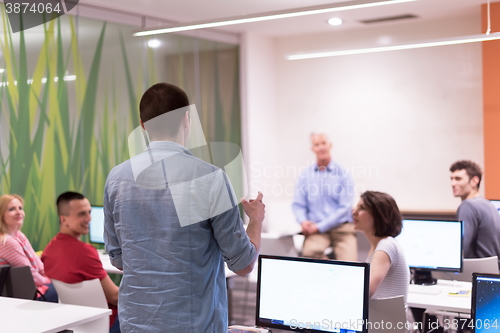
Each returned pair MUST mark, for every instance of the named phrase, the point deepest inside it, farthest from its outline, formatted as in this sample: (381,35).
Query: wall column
(491,103)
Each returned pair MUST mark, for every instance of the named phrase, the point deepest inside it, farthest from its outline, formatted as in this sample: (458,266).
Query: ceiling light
(2,70)
(345,5)
(441,42)
(335,21)
(153,43)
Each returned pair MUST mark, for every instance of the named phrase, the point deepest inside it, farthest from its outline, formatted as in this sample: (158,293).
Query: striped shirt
(17,251)
(397,279)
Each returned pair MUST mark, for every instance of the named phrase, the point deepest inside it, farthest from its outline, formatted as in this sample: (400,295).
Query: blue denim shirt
(173,275)
(324,196)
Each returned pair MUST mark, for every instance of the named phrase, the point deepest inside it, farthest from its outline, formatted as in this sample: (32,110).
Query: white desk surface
(443,301)
(25,316)
(106,264)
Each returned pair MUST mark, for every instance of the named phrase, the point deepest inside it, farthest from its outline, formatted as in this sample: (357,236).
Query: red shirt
(70,260)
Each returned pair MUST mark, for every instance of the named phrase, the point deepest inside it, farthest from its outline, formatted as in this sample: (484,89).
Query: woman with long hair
(377,216)
(15,248)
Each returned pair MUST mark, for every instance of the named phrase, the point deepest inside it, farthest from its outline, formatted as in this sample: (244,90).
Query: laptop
(485,308)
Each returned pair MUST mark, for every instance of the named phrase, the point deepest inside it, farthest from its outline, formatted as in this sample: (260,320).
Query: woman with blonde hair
(15,248)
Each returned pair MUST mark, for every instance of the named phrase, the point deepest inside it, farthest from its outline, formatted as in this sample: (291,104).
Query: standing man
(481,219)
(70,260)
(171,221)
(323,204)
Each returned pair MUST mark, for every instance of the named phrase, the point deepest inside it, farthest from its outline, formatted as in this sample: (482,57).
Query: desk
(278,244)
(443,301)
(25,316)
(106,264)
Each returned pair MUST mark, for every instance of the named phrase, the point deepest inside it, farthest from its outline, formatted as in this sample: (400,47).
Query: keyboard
(419,289)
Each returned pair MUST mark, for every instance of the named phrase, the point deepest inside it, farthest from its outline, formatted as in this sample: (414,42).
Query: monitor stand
(423,277)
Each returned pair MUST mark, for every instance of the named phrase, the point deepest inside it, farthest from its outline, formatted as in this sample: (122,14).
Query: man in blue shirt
(171,221)
(323,204)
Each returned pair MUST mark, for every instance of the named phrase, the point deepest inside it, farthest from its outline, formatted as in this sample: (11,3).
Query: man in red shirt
(70,260)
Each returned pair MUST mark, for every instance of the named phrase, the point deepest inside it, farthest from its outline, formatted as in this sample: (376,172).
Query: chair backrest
(19,283)
(387,312)
(471,265)
(4,271)
(86,293)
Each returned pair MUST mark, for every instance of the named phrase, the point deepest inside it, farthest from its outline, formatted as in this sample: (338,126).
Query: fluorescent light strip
(452,41)
(44,80)
(272,16)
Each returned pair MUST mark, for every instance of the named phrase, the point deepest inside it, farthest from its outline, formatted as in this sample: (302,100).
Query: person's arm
(111,241)
(110,290)
(379,267)
(255,211)
(466,213)
(342,212)
(239,247)
(300,205)
(13,253)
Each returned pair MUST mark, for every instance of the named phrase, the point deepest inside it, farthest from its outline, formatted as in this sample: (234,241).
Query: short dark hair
(159,99)
(387,219)
(65,198)
(471,168)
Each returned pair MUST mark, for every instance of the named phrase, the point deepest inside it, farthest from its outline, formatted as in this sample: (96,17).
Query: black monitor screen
(485,308)
(311,295)
(97,225)
(496,203)
(432,245)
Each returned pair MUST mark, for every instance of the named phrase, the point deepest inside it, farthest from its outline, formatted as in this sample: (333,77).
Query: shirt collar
(167,145)
(330,167)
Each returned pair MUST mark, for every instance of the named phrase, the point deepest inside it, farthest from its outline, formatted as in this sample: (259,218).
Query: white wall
(397,119)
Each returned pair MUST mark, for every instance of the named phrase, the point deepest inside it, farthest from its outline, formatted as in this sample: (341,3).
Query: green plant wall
(69,95)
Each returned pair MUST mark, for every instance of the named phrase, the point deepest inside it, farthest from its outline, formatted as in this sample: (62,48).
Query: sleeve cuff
(116,260)
(238,263)
(326,226)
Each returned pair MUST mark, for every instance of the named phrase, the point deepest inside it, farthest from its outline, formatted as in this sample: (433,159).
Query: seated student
(15,248)
(377,216)
(70,260)
(481,219)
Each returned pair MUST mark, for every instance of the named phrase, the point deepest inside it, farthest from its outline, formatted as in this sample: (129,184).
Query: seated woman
(377,216)
(15,248)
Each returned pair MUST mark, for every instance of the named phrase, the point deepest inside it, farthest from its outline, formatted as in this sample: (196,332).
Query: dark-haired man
(171,220)
(481,219)
(70,260)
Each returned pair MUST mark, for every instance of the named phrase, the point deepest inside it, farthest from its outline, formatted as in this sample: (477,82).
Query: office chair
(387,310)
(471,265)
(19,283)
(4,271)
(86,293)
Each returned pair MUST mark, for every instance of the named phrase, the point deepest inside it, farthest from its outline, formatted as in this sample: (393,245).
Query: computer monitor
(96,234)
(485,307)
(312,295)
(432,245)
(496,203)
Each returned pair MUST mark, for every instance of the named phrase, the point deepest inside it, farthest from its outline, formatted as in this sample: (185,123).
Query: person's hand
(255,208)
(309,228)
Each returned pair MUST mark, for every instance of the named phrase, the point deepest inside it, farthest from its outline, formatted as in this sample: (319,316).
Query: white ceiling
(198,10)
